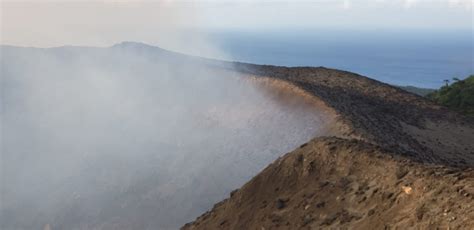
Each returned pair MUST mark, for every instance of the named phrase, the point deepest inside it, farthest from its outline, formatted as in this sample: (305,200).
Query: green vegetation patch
(458,96)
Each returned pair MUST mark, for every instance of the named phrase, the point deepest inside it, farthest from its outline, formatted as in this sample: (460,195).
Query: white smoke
(133,137)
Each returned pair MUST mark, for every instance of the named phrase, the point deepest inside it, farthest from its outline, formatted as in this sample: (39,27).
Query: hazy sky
(103,23)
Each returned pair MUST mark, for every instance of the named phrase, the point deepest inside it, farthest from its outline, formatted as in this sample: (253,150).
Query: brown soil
(394,159)
(335,183)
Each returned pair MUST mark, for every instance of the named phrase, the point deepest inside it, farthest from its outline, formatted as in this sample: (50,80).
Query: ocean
(418,58)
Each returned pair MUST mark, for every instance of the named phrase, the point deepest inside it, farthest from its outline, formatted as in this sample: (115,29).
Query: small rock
(307,219)
(233,192)
(346,217)
(401,172)
(321,204)
(329,220)
(300,158)
(375,191)
(324,184)
(280,203)
(388,195)
(275,218)
(371,212)
(223,222)
(420,212)
(407,189)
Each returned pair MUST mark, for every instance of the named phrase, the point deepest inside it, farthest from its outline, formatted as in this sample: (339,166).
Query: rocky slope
(395,160)
(339,183)
(384,115)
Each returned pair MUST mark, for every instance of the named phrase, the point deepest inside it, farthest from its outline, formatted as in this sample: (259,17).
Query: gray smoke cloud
(134,137)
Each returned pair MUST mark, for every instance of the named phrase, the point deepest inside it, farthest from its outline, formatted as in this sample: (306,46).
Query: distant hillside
(419,91)
(458,96)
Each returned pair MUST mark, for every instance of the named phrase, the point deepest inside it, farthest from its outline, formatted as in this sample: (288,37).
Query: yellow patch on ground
(407,189)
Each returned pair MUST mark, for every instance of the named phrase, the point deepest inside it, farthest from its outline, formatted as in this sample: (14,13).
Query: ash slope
(400,161)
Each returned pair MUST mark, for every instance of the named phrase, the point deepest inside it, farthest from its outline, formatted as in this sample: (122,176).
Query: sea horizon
(398,57)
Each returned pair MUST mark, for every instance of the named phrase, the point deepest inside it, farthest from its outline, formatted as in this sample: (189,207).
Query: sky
(166,22)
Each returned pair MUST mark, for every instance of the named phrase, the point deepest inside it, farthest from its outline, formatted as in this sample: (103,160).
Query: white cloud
(468,4)
(347,4)
(409,3)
